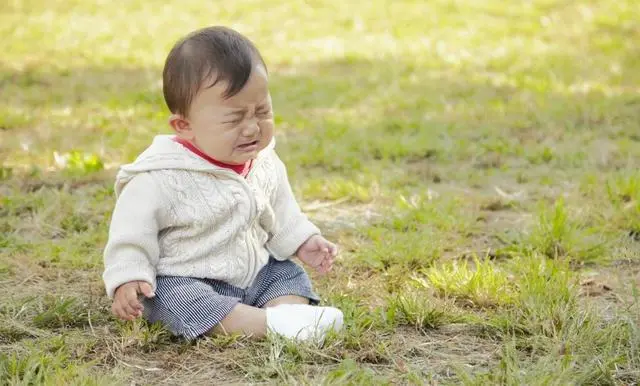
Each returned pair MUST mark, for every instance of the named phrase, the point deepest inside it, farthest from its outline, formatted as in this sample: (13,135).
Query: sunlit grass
(546,296)
(431,131)
(339,189)
(556,235)
(42,367)
(421,311)
(386,248)
(481,284)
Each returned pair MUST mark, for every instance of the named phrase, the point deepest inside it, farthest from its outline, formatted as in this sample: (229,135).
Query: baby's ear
(181,126)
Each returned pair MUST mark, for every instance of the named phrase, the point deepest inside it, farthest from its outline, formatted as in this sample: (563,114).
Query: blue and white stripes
(190,307)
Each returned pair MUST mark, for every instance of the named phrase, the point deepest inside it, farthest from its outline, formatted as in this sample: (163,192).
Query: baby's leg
(191,307)
(296,321)
(287,299)
(284,291)
(244,320)
(275,282)
(281,282)
(252,321)
(277,301)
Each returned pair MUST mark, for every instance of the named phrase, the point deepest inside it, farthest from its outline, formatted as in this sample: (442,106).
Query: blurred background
(354,83)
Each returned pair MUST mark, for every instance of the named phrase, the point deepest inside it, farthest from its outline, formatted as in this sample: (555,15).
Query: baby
(206,224)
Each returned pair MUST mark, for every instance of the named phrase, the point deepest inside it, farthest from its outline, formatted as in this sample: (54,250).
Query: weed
(483,285)
(78,162)
(350,372)
(60,312)
(587,351)
(556,235)
(421,312)
(47,368)
(624,189)
(392,248)
(5,173)
(624,194)
(143,336)
(338,189)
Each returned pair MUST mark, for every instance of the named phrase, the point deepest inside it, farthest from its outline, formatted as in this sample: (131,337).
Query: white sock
(303,321)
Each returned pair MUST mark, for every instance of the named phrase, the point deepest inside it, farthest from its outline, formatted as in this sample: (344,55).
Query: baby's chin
(264,142)
(244,158)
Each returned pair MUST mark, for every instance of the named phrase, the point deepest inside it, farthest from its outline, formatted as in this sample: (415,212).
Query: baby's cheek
(266,126)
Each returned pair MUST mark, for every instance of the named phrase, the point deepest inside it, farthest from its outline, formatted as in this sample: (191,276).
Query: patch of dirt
(333,217)
(30,277)
(59,181)
(613,289)
(192,367)
(449,349)
(493,232)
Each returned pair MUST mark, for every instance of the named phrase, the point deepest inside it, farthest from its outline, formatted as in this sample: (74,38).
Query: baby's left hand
(317,252)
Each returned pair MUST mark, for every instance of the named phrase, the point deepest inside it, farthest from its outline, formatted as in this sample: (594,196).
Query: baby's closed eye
(263,112)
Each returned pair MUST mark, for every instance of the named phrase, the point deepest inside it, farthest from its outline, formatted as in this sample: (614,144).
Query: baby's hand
(318,253)
(126,305)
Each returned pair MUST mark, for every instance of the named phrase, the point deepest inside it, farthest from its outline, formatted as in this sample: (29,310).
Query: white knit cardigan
(177,214)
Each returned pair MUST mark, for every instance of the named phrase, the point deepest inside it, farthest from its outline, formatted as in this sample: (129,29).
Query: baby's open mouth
(248,144)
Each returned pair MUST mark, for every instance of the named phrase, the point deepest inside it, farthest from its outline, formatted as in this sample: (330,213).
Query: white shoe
(304,322)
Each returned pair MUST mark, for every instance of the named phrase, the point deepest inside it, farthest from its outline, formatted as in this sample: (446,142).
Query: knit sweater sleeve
(292,226)
(132,250)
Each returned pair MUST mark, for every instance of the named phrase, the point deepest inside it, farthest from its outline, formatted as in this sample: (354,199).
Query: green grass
(476,161)
(46,368)
(484,285)
(421,312)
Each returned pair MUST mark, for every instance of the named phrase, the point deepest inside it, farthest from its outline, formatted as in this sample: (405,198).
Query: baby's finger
(135,303)
(324,267)
(115,309)
(328,265)
(137,307)
(130,312)
(120,312)
(317,261)
(145,289)
(132,299)
(333,249)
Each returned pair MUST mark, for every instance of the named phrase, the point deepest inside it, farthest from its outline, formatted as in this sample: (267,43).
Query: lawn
(478,161)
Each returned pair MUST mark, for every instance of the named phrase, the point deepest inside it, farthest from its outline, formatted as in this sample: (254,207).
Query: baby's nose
(251,128)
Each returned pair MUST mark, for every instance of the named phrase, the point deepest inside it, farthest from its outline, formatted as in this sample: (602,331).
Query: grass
(475,160)
(46,368)
(422,313)
(482,286)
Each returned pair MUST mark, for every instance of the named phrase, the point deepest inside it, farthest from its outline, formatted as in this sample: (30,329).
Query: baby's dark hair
(202,59)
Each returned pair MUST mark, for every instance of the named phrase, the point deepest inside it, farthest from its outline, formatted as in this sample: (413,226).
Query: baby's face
(232,130)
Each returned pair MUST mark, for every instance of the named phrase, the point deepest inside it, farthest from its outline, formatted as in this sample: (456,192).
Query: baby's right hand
(126,305)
